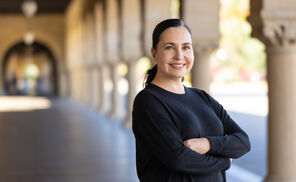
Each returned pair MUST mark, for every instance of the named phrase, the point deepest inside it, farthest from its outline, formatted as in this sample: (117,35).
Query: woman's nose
(179,54)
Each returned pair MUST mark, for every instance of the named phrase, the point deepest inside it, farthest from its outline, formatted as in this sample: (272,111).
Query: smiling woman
(182,134)
(174,56)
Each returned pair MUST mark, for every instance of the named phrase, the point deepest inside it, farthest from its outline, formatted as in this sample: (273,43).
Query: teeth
(178,65)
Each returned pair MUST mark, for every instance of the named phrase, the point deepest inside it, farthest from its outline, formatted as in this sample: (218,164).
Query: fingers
(187,143)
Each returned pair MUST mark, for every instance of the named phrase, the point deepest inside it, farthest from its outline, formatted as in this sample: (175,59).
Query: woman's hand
(199,145)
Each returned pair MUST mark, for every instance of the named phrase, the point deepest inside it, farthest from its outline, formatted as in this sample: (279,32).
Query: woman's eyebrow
(172,43)
(187,43)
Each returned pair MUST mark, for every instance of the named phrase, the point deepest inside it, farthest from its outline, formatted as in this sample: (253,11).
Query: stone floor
(66,143)
(70,143)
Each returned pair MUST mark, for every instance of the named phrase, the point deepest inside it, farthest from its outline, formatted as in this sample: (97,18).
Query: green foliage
(244,53)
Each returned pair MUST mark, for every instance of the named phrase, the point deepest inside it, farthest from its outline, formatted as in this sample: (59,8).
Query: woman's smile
(177,66)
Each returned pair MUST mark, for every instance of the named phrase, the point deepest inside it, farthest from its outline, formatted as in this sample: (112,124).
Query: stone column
(91,56)
(279,30)
(89,79)
(117,111)
(104,89)
(1,79)
(282,116)
(99,24)
(83,84)
(132,92)
(200,73)
(64,83)
(80,60)
(112,54)
(154,12)
(131,49)
(87,58)
(95,88)
(75,82)
(78,78)
(203,19)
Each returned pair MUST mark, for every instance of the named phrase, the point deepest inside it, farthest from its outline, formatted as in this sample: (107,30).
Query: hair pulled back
(162,26)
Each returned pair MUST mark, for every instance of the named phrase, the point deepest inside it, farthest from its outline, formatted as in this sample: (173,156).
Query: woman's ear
(153,53)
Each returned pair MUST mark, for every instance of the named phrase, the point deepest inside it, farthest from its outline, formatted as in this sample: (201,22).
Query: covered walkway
(68,142)
(81,51)
(65,143)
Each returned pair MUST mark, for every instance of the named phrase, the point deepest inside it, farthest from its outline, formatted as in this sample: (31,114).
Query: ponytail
(150,75)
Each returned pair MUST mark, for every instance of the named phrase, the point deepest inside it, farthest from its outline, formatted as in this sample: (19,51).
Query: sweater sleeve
(235,141)
(153,127)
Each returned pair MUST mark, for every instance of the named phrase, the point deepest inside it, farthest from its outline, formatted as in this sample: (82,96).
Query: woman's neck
(175,86)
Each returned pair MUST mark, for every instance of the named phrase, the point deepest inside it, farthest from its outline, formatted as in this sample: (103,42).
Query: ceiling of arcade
(47,24)
(44,6)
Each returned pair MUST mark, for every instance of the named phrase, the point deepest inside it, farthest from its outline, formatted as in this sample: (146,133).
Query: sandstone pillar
(131,49)
(112,54)
(86,62)
(89,86)
(200,73)
(99,23)
(104,89)
(95,88)
(117,111)
(90,56)
(282,116)
(203,19)
(64,83)
(155,11)
(279,20)
(132,87)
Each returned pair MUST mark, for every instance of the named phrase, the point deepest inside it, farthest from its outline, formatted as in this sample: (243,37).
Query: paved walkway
(66,143)
(70,143)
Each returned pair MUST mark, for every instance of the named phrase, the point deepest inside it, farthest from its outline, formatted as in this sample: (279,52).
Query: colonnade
(103,34)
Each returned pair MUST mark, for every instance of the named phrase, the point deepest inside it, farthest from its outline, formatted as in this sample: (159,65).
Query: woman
(182,134)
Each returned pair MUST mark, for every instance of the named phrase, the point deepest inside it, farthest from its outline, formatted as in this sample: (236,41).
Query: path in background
(70,143)
(247,104)
(64,143)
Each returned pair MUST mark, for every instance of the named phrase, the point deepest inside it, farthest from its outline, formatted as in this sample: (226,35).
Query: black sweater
(163,120)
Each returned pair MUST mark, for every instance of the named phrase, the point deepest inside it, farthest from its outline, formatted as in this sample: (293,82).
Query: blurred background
(70,70)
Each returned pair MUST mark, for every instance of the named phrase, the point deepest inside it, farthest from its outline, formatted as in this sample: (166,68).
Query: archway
(29,70)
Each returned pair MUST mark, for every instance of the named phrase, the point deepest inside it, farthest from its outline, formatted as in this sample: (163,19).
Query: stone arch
(37,47)
(52,44)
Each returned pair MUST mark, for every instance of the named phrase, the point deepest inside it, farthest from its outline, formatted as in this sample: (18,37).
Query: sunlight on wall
(23,103)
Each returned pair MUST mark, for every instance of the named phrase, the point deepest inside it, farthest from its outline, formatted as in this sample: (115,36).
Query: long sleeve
(154,127)
(235,143)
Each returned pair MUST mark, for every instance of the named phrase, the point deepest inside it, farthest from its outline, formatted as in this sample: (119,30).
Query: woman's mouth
(177,66)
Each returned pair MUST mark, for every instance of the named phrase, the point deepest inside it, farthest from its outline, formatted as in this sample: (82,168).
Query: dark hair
(160,27)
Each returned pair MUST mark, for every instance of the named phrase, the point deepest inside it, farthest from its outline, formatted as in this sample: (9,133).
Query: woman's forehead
(176,34)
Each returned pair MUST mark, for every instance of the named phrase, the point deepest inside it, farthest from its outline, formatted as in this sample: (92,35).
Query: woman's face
(174,53)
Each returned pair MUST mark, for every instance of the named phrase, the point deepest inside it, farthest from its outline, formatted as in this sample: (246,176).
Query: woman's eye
(169,47)
(187,48)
